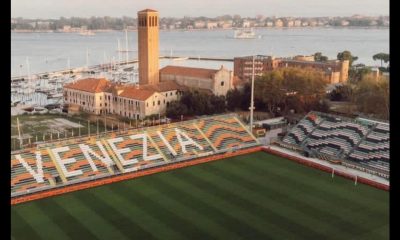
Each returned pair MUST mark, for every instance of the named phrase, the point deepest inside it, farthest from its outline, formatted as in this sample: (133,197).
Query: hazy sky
(208,8)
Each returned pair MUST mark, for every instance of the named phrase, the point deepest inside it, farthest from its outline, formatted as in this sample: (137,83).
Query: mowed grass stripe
(152,205)
(242,198)
(267,201)
(214,209)
(345,209)
(20,229)
(94,219)
(312,209)
(304,176)
(69,223)
(132,210)
(340,188)
(248,204)
(168,199)
(36,218)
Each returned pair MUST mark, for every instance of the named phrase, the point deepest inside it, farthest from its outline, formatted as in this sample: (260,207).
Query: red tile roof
(138,94)
(189,71)
(92,85)
(163,86)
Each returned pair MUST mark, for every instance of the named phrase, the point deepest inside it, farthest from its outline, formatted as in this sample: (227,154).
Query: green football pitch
(254,196)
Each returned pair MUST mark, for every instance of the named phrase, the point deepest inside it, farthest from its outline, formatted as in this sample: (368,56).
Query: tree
(288,88)
(218,104)
(346,55)
(318,57)
(175,109)
(372,96)
(384,57)
(341,93)
(233,99)
(358,72)
(196,103)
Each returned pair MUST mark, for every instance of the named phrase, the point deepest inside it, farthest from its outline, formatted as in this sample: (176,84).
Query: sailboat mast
(29,73)
(87,58)
(19,133)
(119,52)
(126,45)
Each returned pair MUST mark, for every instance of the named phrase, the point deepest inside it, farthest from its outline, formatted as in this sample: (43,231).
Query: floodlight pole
(252,98)
(105,123)
(88,123)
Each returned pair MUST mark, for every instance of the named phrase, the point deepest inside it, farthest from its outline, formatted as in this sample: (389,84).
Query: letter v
(37,176)
(170,148)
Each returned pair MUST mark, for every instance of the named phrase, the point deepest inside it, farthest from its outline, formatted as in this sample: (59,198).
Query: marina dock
(99,67)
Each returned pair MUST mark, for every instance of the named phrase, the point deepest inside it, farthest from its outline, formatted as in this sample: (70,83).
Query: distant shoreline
(214,29)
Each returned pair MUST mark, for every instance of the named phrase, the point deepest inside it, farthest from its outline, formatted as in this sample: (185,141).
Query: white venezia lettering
(38,176)
(188,141)
(88,153)
(121,151)
(62,162)
(170,148)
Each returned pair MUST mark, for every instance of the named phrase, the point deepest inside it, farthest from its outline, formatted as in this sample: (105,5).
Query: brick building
(335,71)
(215,81)
(156,88)
(100,96)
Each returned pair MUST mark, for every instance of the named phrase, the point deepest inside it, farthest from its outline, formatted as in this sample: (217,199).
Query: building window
(164,101)
(147,104)
(100,104)
(170,93)
(158,102)
(154,103)
(166,94)
(222,83)
(105,104)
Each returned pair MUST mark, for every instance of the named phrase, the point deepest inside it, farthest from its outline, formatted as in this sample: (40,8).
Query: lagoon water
(51,51)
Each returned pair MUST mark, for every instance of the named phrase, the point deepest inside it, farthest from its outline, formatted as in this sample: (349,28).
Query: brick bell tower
(148,47)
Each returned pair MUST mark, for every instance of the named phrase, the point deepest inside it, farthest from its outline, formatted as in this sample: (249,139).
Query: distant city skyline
(209,8)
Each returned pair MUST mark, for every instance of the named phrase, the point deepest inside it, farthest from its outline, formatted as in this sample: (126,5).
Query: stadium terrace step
(349,139)
(58,164)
